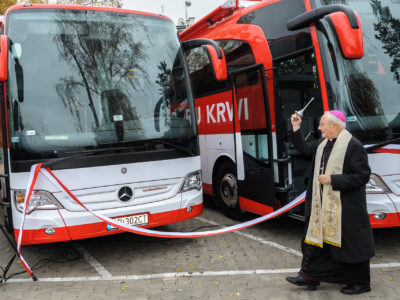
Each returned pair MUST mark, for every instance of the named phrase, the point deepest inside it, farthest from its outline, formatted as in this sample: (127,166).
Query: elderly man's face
(328,129)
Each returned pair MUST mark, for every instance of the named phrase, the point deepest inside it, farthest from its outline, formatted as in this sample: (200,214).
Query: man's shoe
(355,289)
(301,281)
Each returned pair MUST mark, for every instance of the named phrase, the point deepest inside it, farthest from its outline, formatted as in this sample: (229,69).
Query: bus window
(367,89)
(272,19)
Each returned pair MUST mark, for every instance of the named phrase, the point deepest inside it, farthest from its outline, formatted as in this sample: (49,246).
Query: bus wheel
(226,191)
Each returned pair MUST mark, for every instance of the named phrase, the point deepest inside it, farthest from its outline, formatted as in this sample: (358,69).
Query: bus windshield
(368,89)
(87,80)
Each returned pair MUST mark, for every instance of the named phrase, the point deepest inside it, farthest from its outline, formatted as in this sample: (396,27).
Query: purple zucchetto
(339,114)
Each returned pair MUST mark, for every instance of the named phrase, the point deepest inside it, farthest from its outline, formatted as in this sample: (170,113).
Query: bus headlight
(39,200)
(192,181)
(376,185)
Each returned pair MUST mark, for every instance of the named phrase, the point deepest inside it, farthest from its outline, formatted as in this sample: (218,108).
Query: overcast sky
(175,9)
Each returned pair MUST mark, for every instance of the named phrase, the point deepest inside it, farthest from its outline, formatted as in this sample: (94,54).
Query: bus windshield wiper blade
(380,145)
(76,154)
(82,153)
(175,146)
(61,159)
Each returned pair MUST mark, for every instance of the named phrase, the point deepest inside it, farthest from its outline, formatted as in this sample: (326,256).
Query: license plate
(135,220)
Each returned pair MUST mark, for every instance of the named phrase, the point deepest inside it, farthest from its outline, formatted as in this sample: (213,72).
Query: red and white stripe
(391,148)
(31,184)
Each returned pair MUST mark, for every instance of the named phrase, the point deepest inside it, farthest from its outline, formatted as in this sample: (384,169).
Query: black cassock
(348,264)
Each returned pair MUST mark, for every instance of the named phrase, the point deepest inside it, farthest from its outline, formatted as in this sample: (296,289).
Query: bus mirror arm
(219,68)
(157,115)
(215,55)
(19,72)
(345,24)
(187,45)
(3,57)
(316,14)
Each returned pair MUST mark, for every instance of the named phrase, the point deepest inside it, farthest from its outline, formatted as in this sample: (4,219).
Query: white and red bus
(100,96)
(280,54)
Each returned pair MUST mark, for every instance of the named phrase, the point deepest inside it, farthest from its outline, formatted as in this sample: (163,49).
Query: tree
(105,65)
(33,2)
(5,4)
(387,30)
(109,3)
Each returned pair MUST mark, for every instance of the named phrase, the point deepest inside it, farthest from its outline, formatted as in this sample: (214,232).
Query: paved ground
(249,264)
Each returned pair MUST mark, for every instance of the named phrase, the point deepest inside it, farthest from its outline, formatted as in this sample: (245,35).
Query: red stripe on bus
(37,236)
(84,231)
(254,207)
(391,220)
(385,150)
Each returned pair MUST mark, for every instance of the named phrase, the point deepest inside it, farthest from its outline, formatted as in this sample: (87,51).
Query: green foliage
(5,4)
(109,3)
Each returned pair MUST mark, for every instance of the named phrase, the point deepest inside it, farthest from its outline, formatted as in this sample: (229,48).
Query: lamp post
(187,4)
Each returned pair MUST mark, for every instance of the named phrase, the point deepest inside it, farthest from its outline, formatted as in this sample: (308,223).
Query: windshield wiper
(382,144)
(175,146)
(61,159)
(77,154)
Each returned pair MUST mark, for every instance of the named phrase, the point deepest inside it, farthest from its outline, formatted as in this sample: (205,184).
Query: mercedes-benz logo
(125,193)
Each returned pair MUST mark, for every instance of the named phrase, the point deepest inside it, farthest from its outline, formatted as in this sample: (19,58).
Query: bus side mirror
(345,23)
(350,39)
(219,69)
(215,54)
(3,57)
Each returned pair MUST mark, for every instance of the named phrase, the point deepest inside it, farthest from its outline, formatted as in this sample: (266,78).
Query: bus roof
(227,12)
(83,7)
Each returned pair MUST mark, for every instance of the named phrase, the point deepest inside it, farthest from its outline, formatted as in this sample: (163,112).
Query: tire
(226,191)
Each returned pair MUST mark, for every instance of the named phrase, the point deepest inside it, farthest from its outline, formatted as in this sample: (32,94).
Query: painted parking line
(182,274)
(258,239)
(384,266)
(161,275)
(93,262)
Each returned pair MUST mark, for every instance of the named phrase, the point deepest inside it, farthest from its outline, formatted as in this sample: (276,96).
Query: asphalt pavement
(248,264)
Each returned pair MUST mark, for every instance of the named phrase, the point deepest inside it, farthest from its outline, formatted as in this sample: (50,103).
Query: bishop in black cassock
(338,242)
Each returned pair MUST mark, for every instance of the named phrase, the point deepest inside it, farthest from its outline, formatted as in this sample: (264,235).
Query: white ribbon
(138,230)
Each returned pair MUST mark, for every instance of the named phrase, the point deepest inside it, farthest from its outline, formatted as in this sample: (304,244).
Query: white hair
(333,119)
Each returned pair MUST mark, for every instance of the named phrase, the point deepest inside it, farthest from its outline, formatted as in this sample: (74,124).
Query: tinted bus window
(272,19)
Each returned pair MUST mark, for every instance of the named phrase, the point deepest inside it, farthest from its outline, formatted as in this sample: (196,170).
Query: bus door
(253,146)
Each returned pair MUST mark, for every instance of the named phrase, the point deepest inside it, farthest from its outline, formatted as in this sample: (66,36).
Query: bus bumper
(384,210)
(66,225)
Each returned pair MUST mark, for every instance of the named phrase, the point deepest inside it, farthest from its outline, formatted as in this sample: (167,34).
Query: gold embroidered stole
(326,222)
